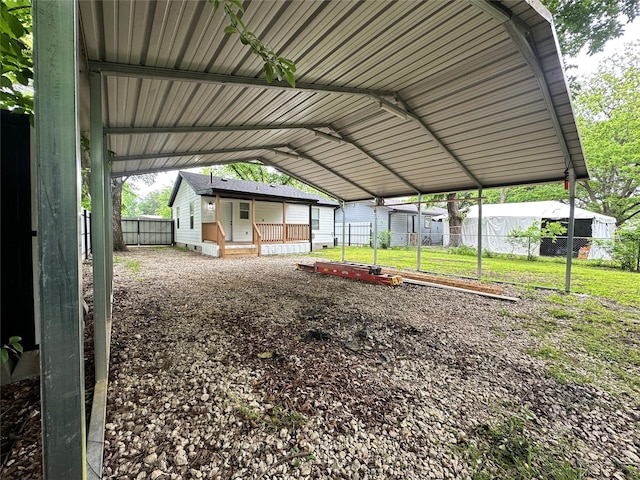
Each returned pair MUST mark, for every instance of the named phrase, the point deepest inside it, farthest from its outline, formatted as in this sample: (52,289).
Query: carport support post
(375,230)
(58,165)
(570,228)
(418,261)
(479,233)
(98,229)
(344,222)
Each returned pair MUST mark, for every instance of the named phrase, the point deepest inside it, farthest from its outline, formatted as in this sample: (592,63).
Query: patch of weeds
(560,313)
(246,412)
(132,265)
(505,313)
(282,417)
(564,375)
(508,450)
(181,249)
(546,351)
(498,331)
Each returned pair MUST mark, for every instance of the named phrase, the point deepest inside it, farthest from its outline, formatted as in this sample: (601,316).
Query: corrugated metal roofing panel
(478,103)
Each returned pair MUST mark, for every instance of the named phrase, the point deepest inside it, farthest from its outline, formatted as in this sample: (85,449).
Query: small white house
(225,217)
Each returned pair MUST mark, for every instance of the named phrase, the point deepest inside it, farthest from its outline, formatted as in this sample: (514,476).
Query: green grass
(592,336)
(132,265)
(586,277)
(508,450)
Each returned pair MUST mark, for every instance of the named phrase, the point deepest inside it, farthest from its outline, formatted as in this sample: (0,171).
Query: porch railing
(273,232)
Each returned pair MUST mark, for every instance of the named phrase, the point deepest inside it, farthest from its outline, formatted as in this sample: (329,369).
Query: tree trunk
(116,202)
(455,221)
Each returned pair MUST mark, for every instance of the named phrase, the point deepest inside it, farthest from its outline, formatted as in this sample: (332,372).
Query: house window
(315,219)
(244,210)
(177,217)
(190,214)
(427,222)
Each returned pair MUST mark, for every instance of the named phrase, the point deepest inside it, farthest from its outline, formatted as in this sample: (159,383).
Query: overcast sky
(585,64)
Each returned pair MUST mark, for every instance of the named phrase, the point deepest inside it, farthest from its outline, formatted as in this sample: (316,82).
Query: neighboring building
(225,217)
(592,231)
(401,219)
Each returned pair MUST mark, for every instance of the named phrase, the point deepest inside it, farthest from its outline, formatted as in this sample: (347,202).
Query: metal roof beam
(294,176)
(159,73)
(296,154)
(521,36)
(205,129)
(181,167)
(353,143)
(193,153)
(411,115)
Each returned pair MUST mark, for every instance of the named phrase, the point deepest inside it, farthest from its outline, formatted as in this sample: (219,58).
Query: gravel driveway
(250,369)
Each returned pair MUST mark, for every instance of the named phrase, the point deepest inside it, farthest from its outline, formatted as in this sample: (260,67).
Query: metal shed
(392,99)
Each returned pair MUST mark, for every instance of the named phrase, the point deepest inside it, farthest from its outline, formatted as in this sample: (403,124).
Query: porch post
(284,222)
(570,228)
(479,233)
(217,208)
(419,232)
(59,256)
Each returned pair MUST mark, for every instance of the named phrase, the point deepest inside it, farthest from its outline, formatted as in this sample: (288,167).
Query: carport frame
(58,177)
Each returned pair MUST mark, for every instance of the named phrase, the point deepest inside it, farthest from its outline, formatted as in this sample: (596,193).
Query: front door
(226,218)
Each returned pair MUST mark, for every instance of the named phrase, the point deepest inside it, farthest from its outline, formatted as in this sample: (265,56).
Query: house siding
(191,237)
(268,212)
(297,213)
(323,238)
(398,229)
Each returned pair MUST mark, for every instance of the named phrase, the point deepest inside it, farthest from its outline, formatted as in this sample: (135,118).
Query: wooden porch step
(241,252)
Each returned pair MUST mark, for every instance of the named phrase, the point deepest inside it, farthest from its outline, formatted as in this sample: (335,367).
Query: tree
(590,23)
(530,238)
(608,107)
(156,203)
(529,193)
(17,58)
(257,172)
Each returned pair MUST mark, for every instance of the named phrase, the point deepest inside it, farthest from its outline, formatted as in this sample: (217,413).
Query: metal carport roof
(392,98)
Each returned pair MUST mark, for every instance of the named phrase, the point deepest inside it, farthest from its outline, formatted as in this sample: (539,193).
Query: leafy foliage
(626,252)
(530,238)
(608,106)
(14,346)
(590,23)
(17,58)
(274,64)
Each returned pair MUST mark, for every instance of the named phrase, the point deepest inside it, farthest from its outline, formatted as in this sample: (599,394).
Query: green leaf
(4,355)
(230,29)
(268,71)
(15,339)
(18,347)
(291,79)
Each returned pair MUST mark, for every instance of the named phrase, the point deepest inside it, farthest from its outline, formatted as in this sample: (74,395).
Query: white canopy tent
(499,220)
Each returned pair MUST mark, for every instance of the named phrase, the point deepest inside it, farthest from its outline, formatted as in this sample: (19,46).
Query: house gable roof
(207,185)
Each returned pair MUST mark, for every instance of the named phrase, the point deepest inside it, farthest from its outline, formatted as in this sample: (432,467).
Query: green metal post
(419,259)
(98,230)
(570,228)
(479,233)
(58,159)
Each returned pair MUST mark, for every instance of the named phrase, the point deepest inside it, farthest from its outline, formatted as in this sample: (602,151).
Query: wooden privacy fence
(147,231)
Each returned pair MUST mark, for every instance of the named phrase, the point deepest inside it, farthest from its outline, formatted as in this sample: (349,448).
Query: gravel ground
(250,369)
